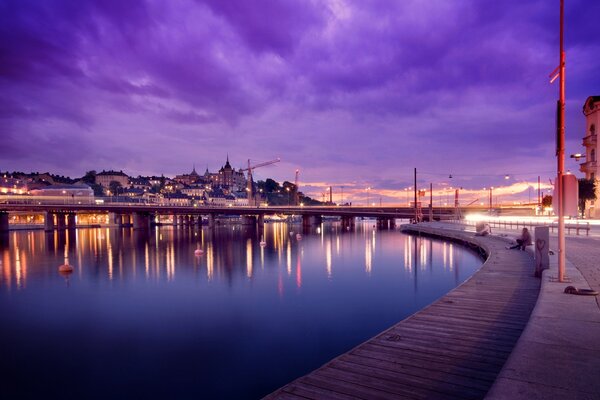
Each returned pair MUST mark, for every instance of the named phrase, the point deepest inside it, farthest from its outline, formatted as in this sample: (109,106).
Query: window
(592,129)
(593,155)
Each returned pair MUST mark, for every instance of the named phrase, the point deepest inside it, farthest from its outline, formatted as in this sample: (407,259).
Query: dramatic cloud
(353,93)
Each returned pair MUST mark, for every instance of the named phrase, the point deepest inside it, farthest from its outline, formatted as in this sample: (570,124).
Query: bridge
(142,215)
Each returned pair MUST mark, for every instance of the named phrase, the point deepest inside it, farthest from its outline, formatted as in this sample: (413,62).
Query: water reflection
(148,290)
(118,254)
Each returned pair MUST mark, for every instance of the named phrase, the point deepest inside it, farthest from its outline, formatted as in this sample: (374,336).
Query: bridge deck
(452,349)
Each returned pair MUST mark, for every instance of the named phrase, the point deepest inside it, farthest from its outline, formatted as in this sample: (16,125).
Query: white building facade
(591,110)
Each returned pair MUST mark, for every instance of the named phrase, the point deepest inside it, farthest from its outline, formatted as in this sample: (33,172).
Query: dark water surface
(142,317)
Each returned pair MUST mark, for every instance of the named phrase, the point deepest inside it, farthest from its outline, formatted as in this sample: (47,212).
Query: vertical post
(71,221)
(431,202)
(49,221)
(416,216)
(3,221)
(560,151)
(539,195)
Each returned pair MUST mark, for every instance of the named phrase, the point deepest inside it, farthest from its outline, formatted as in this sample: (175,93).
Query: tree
(547,201)
(114,187)
(587,192)
(89,177)
(271,186)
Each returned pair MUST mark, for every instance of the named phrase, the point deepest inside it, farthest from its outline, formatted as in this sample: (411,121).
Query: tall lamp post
(560,147)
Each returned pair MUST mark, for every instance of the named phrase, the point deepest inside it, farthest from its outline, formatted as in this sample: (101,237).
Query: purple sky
(354,93)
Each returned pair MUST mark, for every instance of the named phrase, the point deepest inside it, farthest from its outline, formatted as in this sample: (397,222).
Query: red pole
(560,151)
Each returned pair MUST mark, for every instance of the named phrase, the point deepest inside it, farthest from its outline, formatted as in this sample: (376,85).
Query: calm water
(142,316)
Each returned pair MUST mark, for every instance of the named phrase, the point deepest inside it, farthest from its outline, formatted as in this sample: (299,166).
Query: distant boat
(198,252)
(298,236)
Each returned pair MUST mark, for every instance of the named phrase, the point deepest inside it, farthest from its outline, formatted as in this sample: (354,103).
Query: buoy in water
(198,252)
(299,236)
(65,269)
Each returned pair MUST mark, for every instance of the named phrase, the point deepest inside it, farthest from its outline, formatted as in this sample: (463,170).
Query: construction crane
(250,189)
(297,194)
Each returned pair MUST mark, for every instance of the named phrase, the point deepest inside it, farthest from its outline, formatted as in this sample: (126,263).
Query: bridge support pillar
(248,220)
(212,220)
(180,220)
(198,221)
(3,222)
(115,219)
(311,220)
(384,223)
(348,223)
(71,221)
(392,223)
(260,220)
(49,221)
(141,220)
(61,222)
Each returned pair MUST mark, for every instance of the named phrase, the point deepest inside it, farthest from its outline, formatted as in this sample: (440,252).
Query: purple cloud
(347,91)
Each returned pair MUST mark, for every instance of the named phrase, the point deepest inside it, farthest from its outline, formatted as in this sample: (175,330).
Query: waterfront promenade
(558,355)
(443,351)
(454,348)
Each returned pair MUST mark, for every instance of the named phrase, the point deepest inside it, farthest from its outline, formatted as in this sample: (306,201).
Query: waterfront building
(195,190)
(591,111)
(175,199)
(104,178)
(10,185)
(230,179)
(140,183)
(189,179)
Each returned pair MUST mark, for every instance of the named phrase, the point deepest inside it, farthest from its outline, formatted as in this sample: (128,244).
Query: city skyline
(353,94)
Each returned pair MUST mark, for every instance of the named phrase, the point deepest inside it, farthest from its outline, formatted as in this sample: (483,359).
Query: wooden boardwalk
(453,349)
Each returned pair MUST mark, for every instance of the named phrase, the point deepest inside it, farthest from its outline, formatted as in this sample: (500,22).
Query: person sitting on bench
(523,241)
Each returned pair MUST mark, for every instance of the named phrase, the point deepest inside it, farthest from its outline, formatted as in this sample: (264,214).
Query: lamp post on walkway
(560,148)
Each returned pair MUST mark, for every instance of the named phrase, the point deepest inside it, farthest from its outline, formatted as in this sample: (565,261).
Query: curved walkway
(558,355)
(452,349)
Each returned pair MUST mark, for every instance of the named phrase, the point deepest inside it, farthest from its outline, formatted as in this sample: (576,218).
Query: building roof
(227,165)
(590,104)
(121,173)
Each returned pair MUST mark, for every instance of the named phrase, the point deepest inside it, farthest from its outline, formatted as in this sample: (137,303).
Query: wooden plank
(316,393)
(454,348)
(429,365)
(425,374)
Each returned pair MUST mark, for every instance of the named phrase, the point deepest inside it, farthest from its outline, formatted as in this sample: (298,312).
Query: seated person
(482,229)
(523,241)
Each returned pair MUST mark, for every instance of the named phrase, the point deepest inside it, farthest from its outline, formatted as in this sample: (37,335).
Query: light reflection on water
(236,322)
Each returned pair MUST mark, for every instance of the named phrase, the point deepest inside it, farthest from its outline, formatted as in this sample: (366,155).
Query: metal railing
(516,224)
